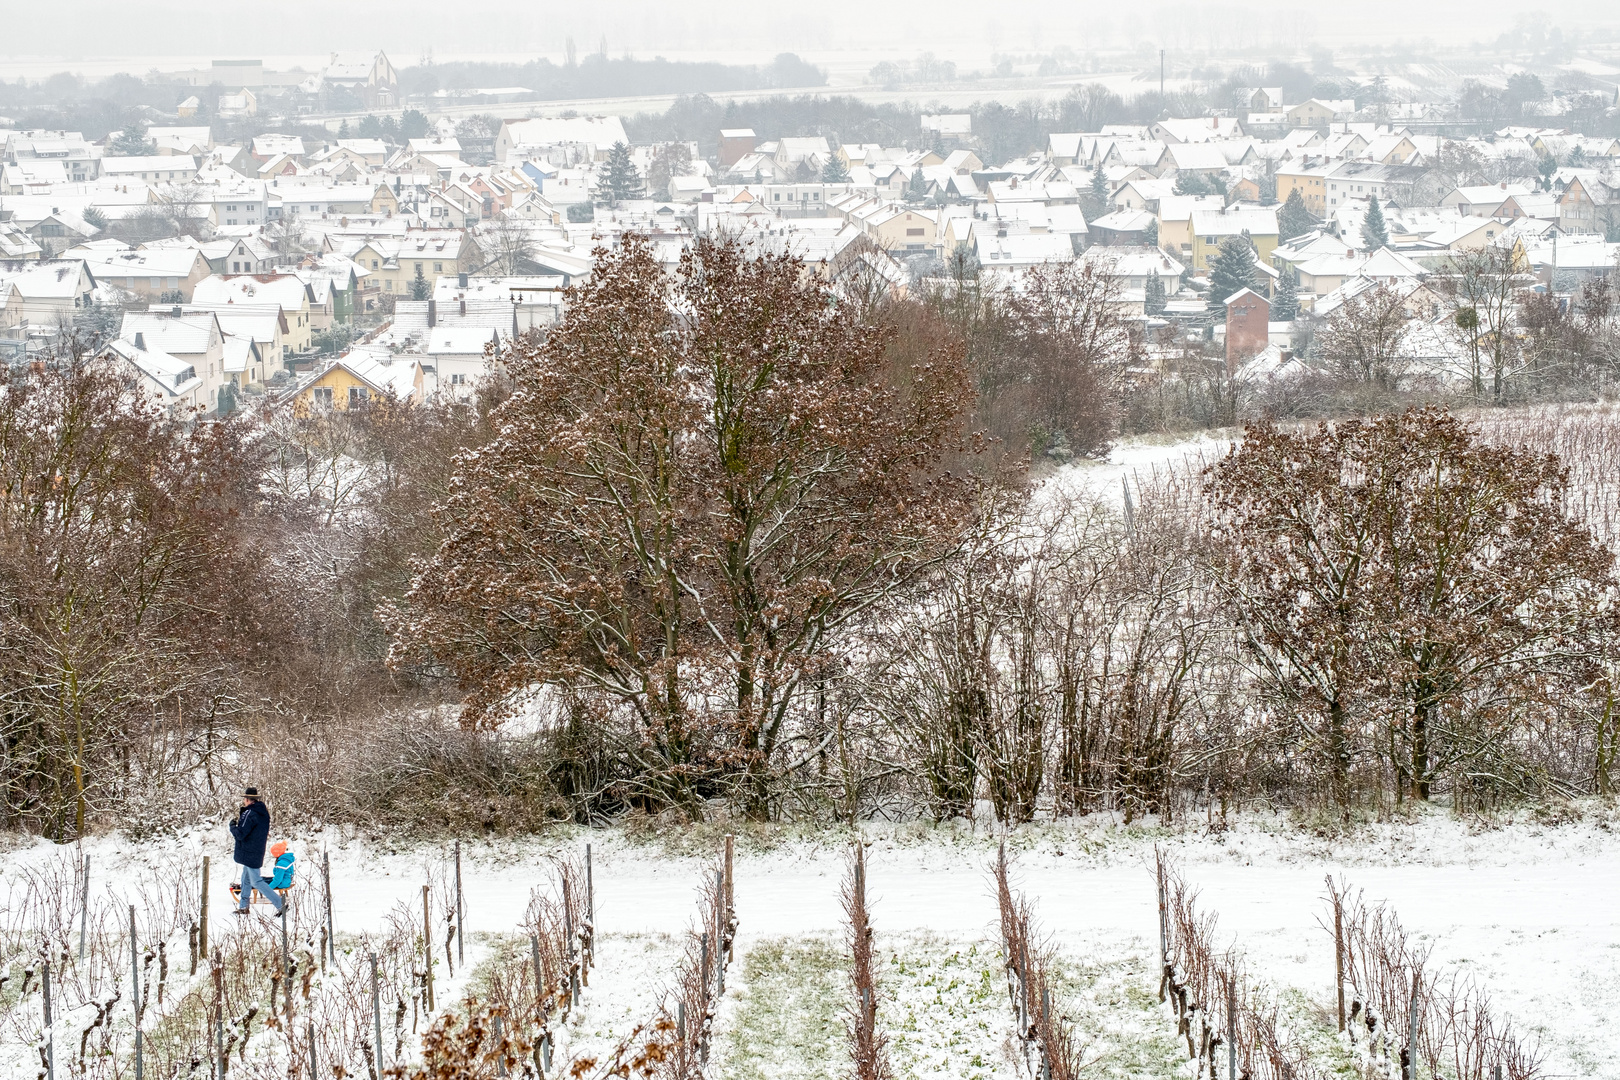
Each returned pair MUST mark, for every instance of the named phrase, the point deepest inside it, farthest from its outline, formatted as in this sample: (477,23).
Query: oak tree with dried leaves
(1403,573)
(698,482)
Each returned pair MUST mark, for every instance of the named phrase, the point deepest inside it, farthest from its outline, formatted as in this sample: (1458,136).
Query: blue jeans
(252,879)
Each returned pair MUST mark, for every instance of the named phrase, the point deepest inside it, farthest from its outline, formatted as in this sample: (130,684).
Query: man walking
(251,829)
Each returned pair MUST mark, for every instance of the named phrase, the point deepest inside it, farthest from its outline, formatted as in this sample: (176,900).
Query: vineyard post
(286,972)
(1338,949)
(539,990)
(680,1038)
(216,968)
(1412,1030)
(376,1012)
(500,1039)
(84,905)
(331,930)
(140,1072)
(704,948)
(427,950)
(134,970)
(720,931)
(731,895)
(314,1067)
(50,1028)
(461,931)
(1231,1028)
(202,925)
(1164,942)
(590,889)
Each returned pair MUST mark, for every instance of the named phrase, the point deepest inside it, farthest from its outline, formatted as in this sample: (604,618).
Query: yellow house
(384,201)
(352,381)
(1209,228)
(1311,183)
(901,229)
(392,262)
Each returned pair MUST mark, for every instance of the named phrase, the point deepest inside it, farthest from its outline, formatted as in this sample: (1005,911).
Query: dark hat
(250,793)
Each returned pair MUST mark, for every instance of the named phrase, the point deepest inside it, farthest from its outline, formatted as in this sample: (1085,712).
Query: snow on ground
(1527,908)
(1137,461)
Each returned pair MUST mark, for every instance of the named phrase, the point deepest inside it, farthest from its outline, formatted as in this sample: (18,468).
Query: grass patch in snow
(944,1007)
(1109,998)
(787,1021)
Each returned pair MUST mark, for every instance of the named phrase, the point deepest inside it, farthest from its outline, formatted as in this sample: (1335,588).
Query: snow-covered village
(1029,542)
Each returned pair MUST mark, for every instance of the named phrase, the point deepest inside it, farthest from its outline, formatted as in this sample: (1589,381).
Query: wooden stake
(50,1028)
(331,930)
(134,969)
(376,1012)
(461,930)
(202,925)
(287,975)
(1231,1029)
(84,906)
(1338,951)
(731,894)
(314,1067)
(1412,1030)
(427,949)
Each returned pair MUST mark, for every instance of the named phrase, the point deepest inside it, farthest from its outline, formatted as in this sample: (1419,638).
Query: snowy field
(1529,909)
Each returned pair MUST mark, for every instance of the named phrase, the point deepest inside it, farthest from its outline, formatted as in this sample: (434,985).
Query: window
(323,396)
(388,286)
(458,378)
(419,266)
(374,264)
(438,267)
(236,268)
(230,206)
(358,395)
(914,232)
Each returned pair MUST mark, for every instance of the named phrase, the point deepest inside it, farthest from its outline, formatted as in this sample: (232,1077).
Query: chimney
(140,341)
(433,313)
(464,307)
(175,311)
(461,279)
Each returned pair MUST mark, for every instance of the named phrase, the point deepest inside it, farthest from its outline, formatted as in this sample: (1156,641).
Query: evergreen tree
(1232,270)
(1098,196)
(131,142)
(917,189)
(1285,305)
(1150,235)
(1374,233)
(420,289)
(619,179)
(1293,219)
(343,130)
(834,172)
(1153,295)
(1191,183)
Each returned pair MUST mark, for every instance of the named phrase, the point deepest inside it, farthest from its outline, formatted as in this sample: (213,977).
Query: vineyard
(892,958)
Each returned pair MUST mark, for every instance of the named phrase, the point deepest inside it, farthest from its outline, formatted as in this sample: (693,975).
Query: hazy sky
(165,33)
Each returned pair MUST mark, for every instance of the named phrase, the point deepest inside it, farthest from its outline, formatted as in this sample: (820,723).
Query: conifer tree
(1232,270)
(1374,233)
(1285,305)
(834,172)
(1293,219)
(420,289)
(1098,195)
(619,178)
(1153,295)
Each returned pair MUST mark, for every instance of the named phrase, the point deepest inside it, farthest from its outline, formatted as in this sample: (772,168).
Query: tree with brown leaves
(1402,569)
(697,483)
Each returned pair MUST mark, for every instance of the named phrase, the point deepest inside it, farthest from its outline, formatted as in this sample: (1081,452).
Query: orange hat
(279,848)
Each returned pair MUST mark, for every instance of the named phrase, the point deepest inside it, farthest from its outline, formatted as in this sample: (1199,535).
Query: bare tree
(1363,341)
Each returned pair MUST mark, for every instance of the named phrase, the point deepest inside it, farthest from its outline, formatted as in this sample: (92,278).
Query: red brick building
(1248,318)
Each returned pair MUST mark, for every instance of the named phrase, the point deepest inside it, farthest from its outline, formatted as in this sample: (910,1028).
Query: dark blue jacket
(251,829)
